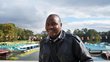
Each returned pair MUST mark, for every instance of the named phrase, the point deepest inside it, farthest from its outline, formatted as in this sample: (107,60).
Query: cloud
(79,3)
(24,15)
(31,14)
(79,8)
(99,25)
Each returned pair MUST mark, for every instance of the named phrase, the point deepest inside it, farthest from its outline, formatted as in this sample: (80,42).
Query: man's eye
(54,24)
(47,25)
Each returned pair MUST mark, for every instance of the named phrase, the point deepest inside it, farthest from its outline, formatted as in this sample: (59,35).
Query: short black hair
(54,15)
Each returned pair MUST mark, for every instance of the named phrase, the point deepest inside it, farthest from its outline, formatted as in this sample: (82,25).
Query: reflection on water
(99,59)
(96,50)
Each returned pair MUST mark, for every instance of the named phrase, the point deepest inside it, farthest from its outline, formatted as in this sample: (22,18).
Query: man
(60,46)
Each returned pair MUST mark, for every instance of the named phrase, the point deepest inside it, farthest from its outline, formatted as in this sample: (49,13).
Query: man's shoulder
(71,35)
(43,40)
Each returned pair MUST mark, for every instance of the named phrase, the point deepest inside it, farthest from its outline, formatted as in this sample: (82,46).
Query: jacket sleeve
(81,52)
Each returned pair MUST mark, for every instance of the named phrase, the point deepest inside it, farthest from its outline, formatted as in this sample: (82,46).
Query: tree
(90,35)
(27,33)
(105,36)
(94,36)
(78,32)
(23,34)
(1,35)
(9,31)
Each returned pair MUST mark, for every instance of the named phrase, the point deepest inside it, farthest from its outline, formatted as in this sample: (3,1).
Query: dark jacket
(69,48)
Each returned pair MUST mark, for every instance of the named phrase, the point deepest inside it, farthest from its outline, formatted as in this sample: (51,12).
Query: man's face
(53,26)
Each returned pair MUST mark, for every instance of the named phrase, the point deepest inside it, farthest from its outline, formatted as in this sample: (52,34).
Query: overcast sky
(75,14)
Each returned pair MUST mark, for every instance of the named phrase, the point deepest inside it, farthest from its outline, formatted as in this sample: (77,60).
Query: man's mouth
(51,31)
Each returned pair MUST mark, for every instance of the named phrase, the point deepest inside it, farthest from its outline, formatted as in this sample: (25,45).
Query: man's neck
(53,38)
(56,37)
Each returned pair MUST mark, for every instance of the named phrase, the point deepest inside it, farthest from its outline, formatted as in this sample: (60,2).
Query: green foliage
(1,35)
(9,32)
(78,32)
(93,35)
(24,34)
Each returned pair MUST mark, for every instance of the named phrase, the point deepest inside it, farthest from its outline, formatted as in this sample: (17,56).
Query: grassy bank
(16,57)
(19,42)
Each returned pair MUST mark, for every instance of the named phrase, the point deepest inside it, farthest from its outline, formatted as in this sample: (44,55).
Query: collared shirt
(59,37)
(54,47)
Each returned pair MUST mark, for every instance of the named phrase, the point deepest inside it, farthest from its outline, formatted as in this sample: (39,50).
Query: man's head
(53,25)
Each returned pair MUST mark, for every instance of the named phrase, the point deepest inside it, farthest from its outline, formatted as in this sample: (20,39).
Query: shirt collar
(59,37)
